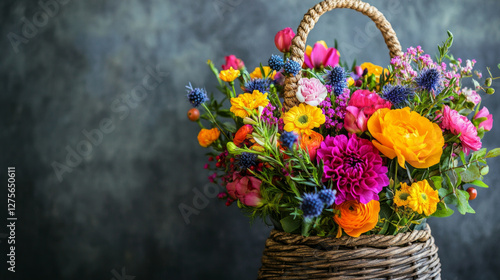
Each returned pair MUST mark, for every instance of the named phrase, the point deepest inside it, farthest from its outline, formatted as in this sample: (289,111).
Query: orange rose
(356,218)
(242,134)
(311,143)
(408,136)
(207,136)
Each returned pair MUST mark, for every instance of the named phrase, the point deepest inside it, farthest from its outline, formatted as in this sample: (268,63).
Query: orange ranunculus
(356,218)
(207,136)
(311,143)
(408,136)
(257,73)
(242,134)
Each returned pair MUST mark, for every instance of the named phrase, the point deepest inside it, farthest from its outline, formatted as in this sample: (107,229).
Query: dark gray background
(118,208)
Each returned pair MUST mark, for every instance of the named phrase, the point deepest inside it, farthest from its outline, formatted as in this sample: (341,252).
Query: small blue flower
(261,85)
(276,62)
(288,139)
(292,67)
(247,160)
(327,196)
(398,95)
(311,205)
(430,79)
(337,78)
(196,96)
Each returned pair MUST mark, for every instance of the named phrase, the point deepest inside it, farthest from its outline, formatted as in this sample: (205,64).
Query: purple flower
(355,167)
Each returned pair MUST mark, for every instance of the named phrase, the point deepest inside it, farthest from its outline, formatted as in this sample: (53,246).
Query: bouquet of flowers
(367,150)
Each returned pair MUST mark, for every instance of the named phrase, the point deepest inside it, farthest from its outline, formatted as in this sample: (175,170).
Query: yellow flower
(207,136)
(374,69)
(303,118)
(401,196)
(229,75)
(257,74)
(250,101)
(406,135)
(423,198)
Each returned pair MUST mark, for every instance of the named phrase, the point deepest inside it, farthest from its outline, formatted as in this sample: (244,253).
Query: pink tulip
(361,106)
(283,39)
(321,57)
(233,61)
(246,189)
(488,123)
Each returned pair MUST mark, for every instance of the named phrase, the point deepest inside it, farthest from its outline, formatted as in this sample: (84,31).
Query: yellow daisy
(401,196)
(257,74)
(250,101)
(229,75)
(423,198)
(303,118)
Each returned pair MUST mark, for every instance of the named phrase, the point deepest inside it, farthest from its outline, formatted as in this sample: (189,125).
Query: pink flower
(246,189)
(458,124)
(321,56)
(311,91)
(361,106)
(283,39)
(471,95)
(488,123)
(232,61)
(355,166)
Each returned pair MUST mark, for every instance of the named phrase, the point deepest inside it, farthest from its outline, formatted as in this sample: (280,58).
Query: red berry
(472,193)
(231,160)
(252,168)
(211,159)
(218,164)
(193,114)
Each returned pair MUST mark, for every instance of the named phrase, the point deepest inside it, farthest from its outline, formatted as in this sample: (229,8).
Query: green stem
(233,93)
(214,121)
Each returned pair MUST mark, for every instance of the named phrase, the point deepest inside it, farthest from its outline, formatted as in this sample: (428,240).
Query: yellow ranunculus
(257,74)
(408,136)
(250,101)
(374,69)
(207,136)
(229,75)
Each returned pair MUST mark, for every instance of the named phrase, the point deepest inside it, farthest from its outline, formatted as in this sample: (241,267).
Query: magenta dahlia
(355,167)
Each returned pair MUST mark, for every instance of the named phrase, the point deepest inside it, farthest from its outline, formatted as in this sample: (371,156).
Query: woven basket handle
(307,24)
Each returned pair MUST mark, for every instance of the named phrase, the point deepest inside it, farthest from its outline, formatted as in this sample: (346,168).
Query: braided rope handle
(298,46)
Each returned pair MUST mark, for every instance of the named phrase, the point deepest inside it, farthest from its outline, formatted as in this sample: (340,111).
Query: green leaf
(438,181)
(470,174)
(463,202)
(493,153)
(229,127)
(442,211)
(479,183)
(290,224)
(498,65)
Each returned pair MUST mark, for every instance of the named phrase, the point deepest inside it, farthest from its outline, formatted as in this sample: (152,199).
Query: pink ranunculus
(458,124)
(361,106)
(488,123)
(311,91)
(233,61)
(283,39)
(246,189)
(321,56)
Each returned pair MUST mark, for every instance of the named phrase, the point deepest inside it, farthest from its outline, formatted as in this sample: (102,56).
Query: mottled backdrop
(95,90)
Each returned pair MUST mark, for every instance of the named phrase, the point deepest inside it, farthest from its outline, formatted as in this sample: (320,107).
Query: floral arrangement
(367,151)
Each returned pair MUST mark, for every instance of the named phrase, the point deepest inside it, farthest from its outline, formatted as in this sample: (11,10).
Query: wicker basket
(411,255)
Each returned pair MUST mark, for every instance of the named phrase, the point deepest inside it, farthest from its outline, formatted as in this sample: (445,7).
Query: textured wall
(114,72)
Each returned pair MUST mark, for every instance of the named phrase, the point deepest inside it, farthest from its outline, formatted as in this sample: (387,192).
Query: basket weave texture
(411,255)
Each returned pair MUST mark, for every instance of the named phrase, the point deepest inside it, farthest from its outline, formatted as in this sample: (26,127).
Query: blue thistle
(247,160)
(430,79)
(292,67)
(311,205)
(276,62)
(196,96)
(327,196)
(261,85)
(337,78)
(288,139)
(398,95)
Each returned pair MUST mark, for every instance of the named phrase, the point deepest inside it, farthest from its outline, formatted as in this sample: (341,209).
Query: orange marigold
(356,218)
(207,136)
